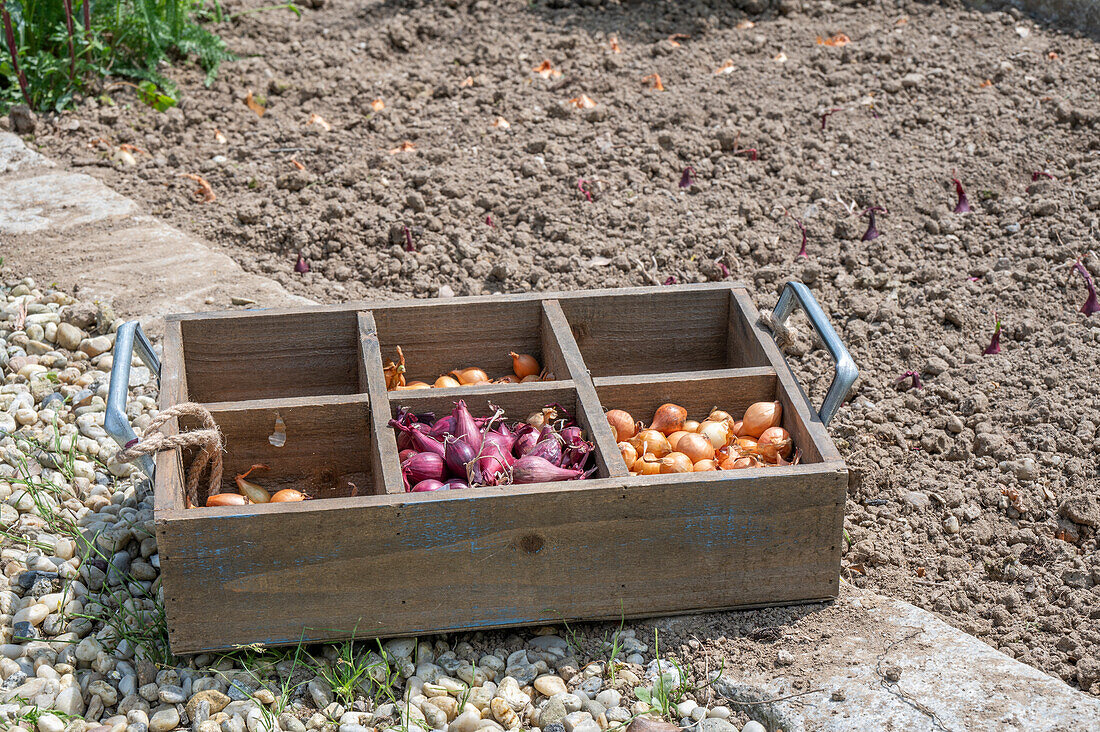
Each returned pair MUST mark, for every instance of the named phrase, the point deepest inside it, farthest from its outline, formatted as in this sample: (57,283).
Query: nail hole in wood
(531,543)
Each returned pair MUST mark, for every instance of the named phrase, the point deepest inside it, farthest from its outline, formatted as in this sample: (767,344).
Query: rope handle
(207,440)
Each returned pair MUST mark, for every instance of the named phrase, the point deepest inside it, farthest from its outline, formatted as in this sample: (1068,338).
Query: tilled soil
(975,496)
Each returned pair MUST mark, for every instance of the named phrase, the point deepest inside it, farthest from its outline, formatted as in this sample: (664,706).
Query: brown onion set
(525,368)
(251,492)
(672,443)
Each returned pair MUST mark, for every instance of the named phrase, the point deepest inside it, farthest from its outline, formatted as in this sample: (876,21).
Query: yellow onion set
(525,368)
(672,443)
(251,492)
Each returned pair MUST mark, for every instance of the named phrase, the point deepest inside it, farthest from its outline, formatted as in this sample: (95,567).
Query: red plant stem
(582,186)
(70,28)
(9,36)
(825,116)
(87,8)
(801,252)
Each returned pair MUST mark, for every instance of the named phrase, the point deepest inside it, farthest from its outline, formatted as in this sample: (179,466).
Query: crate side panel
(299,354)
(800,418)
(504,560)
(168,486)
(652,331)
(744,347)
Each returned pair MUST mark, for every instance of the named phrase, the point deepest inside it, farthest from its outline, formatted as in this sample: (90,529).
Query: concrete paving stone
(15,156)
(57,201)
(893,666)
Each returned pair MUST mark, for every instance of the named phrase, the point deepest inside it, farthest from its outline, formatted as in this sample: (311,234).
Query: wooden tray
(387,563)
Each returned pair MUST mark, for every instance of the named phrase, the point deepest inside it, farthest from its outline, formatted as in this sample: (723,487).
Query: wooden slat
(168,486)
(273,356)
(799,417)
(591,416)
(521,556)
(732,391)
(666,330)
(243,316)
(372,380)
(743,346)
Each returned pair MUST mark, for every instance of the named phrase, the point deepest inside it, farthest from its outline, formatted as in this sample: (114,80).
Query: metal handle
(846,371)
(114,421)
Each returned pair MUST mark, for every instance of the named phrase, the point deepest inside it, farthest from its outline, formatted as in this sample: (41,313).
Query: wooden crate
(386,563)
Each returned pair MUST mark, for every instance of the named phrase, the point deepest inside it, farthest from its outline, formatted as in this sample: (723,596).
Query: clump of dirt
(440,130)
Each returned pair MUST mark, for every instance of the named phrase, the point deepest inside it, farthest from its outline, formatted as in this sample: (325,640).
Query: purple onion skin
(525,440)
(497,446)
(457,454)
(549,450)
(493,463)
(576,457)
(455,484)
(427,418)
(572,436)
(547,433)
(505,440)
(423,466)
(422,442)
(533,469)
(443,426)
(425,486)
(465,427)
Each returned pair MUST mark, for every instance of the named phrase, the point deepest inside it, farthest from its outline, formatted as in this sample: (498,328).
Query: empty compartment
(251,356)
(518,403)
(691,328)
(440,338)
(732,393)
(325,452)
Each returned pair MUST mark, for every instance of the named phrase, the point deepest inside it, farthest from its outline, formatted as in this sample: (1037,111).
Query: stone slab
(71,230)
(894,666)
(57,201)
(14,155)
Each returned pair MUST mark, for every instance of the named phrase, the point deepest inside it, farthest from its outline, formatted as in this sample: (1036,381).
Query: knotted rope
(208,441)
(781,332)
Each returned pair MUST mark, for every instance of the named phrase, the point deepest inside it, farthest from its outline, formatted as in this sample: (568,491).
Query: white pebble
(34,614)
(753,726)
(164,720)
(550,685)
(69,701)
(50,723)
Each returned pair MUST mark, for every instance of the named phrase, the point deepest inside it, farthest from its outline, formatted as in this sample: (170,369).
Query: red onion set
(460,451)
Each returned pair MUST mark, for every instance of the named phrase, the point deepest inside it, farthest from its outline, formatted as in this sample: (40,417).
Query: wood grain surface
(598,549)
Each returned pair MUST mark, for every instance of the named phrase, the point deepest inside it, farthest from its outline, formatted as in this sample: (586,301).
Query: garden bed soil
(975,496)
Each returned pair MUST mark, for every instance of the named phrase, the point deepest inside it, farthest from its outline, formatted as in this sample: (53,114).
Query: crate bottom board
(518,558)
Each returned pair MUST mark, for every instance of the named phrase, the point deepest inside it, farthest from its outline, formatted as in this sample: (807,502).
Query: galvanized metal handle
(115,421)
(846,371)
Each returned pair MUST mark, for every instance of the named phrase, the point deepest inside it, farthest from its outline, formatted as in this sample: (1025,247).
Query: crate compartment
(518,402)
(327,453)
(664,331)
(439,338)
(278,356)
(732,391)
